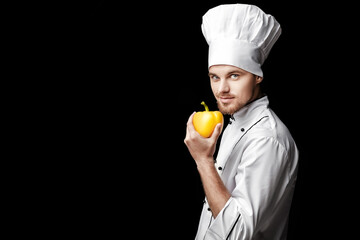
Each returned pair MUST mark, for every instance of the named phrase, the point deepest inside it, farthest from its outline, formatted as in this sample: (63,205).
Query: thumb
(215,135)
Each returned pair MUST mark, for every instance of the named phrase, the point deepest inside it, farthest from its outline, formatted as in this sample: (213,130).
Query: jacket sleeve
(261,180)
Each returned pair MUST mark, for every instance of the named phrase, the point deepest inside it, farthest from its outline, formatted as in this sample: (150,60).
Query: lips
(226,99)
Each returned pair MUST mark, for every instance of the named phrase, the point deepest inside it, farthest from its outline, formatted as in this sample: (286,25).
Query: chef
(249,186)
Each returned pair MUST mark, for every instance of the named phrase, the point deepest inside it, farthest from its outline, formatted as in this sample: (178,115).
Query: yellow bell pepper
(206,121)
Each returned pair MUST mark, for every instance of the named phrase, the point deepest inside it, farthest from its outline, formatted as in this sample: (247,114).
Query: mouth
(226,99)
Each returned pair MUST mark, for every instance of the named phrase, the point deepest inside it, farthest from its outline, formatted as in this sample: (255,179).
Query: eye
(214,77)
(234,76)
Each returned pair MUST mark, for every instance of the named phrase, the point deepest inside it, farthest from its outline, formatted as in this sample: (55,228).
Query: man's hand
(201,149)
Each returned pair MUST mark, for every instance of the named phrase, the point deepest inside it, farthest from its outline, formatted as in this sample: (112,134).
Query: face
(233,87)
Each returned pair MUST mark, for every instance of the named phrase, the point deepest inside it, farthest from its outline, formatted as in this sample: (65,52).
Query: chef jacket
(257,162)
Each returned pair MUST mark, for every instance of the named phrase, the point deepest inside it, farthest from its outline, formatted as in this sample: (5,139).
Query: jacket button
(220,168)
(209,209)
(242,129)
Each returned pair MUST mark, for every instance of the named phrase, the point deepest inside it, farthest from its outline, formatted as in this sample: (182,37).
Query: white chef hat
(240,35)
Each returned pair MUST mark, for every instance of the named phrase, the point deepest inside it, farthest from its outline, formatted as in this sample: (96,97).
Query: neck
(256,94)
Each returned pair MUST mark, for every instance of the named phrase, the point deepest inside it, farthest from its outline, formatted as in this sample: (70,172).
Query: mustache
(221,95)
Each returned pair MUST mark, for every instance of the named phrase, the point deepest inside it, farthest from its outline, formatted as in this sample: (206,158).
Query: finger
(190,125)
(187,132)
(190,118)
(216,132)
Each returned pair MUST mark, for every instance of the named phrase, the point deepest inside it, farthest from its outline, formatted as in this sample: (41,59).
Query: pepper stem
(206,107)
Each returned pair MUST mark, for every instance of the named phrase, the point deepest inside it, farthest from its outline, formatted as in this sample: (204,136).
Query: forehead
(225,69)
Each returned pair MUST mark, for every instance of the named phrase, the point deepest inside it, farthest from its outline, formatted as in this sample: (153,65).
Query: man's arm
(216,193)
(202,150)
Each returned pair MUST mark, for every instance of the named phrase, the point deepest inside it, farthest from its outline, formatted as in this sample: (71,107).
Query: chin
(228,109)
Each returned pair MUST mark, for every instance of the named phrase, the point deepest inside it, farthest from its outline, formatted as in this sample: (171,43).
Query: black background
(135,72)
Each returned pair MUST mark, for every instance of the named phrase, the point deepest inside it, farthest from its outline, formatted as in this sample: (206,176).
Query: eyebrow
(210,73)
(235,71)
(229,73)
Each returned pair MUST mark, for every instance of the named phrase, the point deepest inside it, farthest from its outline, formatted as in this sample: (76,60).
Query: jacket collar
(251,110)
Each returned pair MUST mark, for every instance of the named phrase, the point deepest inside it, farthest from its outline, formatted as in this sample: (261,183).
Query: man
(249,187)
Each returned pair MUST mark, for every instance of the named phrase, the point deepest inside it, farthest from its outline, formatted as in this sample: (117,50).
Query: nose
(224,86)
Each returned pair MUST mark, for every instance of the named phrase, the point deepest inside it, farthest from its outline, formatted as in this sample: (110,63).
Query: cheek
(213,87)
(243,89)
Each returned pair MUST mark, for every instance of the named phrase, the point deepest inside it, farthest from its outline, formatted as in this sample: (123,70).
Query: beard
(235,105)
(229,108)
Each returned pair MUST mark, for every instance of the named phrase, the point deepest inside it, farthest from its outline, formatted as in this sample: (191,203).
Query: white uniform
(257,161)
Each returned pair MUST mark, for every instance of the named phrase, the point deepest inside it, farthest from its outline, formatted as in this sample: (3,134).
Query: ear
(258,79)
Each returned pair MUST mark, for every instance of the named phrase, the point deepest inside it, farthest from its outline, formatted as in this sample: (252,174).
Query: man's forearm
(216,193)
